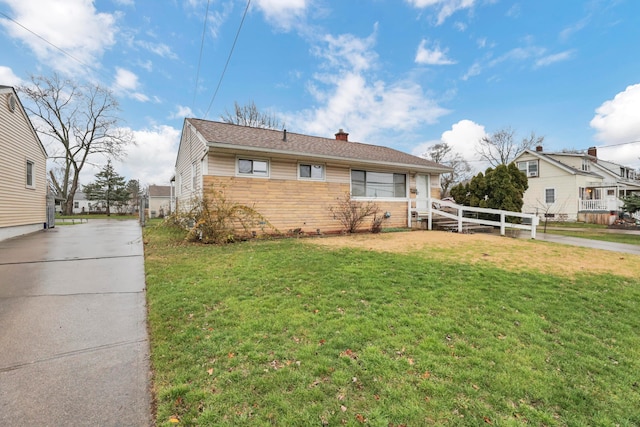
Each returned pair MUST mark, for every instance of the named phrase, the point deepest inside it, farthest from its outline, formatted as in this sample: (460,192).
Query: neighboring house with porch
(23,171)
(293,179)
(575,186)
(159,201)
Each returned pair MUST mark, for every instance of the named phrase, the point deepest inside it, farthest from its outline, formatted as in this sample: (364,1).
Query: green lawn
(291,334)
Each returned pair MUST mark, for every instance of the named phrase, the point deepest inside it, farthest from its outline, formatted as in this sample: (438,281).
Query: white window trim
(555,195)
(303,178)
(252,175)
(33,174)
(529,174)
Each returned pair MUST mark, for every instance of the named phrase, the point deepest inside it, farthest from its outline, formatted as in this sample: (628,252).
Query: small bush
(352,213)
(214,218)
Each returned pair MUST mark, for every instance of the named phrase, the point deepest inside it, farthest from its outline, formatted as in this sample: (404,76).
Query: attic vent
(11,102)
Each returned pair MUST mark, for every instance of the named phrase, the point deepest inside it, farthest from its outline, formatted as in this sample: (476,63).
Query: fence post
(429,214)
(460,215)
(534,223)
(502,223)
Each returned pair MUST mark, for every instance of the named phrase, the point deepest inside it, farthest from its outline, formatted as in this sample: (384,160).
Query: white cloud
(159,49)
(349,95)
(7,77)
(616,120)
(556,57)
(73,26)
(446,8)
(126,82)
(181,112)
(433,56)
(152,159)
(463,138)
(283,14)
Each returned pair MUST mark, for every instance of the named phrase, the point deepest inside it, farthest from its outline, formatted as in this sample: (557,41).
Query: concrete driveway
(73,346)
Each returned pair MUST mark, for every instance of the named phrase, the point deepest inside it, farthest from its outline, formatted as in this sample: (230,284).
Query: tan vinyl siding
(19,204)
(192,149)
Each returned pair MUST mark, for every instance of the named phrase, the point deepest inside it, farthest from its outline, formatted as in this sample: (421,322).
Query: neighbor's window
(611,192)
(550,195)
(378,184)
(30,182)
(310,171)
(529,167)
(586,165)
(253,167)
(76,205)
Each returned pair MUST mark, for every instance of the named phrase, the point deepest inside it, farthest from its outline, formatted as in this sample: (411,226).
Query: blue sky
(401,73)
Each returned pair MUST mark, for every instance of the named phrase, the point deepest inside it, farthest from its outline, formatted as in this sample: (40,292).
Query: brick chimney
(539,148)
(342,136)
(593,151)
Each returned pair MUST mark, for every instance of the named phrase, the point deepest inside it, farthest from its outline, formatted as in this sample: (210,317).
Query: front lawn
(290,333)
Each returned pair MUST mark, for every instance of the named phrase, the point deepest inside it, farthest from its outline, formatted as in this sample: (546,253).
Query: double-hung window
(253,167)
(30,168)
(530,168)
(378,184)
(549,195)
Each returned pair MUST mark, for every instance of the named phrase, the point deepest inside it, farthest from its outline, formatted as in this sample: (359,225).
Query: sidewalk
(74,348)
(587,243)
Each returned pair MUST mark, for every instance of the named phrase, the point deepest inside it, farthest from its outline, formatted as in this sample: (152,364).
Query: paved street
(74,348)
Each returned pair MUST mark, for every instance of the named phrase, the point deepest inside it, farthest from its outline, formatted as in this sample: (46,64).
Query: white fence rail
(435,206)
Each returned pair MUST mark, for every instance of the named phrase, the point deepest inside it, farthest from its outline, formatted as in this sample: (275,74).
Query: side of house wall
(159,206)
(289,203)
(565,186)
(191,151)
(21,206)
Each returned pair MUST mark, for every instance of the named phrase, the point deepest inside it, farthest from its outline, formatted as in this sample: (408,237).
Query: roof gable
(21,110)
(557,163)
(225,135)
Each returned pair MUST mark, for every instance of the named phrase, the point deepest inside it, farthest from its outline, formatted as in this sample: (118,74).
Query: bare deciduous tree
(81,120)
(443,153)
(501,148)
(249,115)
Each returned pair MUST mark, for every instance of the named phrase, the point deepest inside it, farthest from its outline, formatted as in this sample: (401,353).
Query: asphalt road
(73,348)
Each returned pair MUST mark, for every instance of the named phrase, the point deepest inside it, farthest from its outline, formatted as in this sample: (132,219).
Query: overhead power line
(215,93)
(46,41)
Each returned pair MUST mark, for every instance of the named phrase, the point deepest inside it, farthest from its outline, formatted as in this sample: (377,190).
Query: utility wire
(228,58)
(64,52)
(619,144)
(46,41)
(204,29)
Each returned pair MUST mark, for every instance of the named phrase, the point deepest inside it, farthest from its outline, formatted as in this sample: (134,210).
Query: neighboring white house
(575,186)
(23,172)
(159,201)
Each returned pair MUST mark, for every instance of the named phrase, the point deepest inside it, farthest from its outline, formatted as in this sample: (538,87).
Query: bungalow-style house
(159,200)
(23,172)
(293,180)
(575,186)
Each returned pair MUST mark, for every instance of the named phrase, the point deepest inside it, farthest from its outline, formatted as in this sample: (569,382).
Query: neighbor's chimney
(593,151)
(342,135)
(539,148)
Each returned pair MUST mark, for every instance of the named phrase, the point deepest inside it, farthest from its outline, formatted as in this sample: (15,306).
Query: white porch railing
(436,205)
(598,205)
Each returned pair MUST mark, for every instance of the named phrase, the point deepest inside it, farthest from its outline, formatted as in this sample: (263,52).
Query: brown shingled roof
(159,191)
(221,135)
